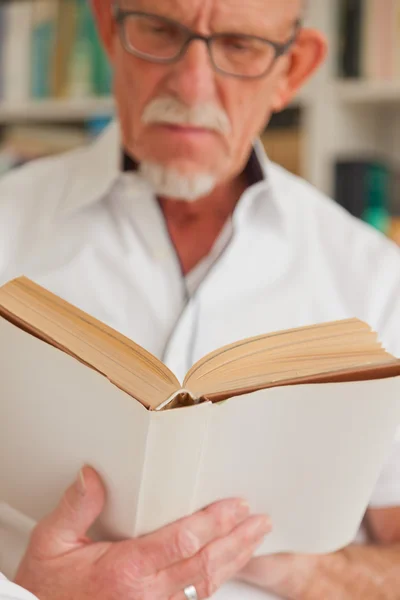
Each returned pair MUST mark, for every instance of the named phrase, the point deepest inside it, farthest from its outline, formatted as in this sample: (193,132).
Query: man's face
(242,105)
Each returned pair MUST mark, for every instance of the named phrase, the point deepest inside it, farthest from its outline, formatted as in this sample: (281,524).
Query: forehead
(274,17)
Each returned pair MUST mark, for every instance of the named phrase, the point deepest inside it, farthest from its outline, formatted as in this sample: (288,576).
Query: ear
(307,54)
(102,10)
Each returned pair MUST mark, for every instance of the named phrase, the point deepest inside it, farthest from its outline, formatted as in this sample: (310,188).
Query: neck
(221,201)
(195,226)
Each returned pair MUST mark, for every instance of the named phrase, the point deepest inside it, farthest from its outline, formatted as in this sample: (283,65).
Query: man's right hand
(204,550)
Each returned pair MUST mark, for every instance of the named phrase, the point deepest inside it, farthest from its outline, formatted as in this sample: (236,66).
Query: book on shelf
(364,187)
(44,15)
(65,25)
(394,231)
(350,33)
(15,49)
(22,143)
(298,422)
(369,39)
(283,138)
(57,50)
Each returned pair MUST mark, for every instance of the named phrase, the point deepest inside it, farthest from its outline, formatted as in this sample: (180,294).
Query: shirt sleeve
(10,591)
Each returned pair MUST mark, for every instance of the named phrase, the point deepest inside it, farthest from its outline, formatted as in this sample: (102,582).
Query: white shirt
(10,591)
(97,237)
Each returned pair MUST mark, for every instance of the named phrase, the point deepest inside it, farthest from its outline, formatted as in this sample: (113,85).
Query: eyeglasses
(162,40)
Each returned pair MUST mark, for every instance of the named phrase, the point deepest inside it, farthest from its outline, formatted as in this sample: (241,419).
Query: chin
(170,181)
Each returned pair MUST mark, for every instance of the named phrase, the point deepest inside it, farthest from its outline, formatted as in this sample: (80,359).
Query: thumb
(66,527)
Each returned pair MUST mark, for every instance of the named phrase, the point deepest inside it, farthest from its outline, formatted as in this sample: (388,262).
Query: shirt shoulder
(319,219)
(363,264)
(40,181)
(30,198)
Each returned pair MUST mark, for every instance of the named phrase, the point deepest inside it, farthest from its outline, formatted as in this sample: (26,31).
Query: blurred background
(342,133)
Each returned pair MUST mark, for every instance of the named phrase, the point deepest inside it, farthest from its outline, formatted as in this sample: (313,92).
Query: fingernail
(266,524)
(259,541)
(80,483)
(261,526)
(242,509)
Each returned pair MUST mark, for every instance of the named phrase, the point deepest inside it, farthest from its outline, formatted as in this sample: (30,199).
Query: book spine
(65,37)
(384,40)
(396,51)
(395,193)
(80,67)
(378,191)
(394,232)
(350,186)
(42,47)
(15,50)
(350,38)
(364,188)
(101,69)
(368,59)
(172,460)
(2,38)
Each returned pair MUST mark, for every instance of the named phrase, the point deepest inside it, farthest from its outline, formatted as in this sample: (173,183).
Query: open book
(310,417)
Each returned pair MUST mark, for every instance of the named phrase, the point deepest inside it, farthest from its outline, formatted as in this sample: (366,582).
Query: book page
(300,355)
(53,320)
(56,415)
(309,456)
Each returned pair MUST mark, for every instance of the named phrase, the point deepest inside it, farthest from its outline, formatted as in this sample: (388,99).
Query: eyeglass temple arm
(285,47)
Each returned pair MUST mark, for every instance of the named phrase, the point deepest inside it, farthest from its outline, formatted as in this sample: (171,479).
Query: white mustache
(170,110)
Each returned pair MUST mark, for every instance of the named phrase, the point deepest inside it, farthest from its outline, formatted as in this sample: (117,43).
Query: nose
(192,78)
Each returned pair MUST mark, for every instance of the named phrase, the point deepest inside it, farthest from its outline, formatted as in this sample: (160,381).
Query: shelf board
(64,111)
(56,110)
(368,92)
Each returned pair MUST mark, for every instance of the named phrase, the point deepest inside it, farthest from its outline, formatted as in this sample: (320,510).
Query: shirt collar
(92,171)
(95,169)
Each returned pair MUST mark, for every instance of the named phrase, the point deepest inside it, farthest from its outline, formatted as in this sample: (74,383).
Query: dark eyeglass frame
(280,49)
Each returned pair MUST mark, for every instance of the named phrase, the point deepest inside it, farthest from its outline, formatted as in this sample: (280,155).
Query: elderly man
(175,229)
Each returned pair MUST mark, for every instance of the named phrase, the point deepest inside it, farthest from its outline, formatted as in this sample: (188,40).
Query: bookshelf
(70,110)
(61,111)
(368,92)
(345,116)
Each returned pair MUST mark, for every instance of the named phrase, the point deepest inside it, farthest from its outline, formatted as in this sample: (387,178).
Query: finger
(67,525)
(207,587)
(209,566)
(183,539)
